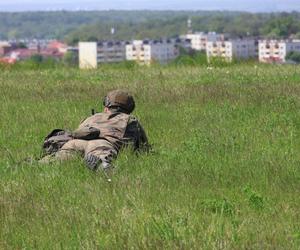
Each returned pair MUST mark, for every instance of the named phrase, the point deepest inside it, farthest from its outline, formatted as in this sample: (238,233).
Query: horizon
(166,5)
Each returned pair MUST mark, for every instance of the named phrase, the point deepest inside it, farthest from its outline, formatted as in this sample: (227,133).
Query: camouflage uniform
(116,131)
(99,138)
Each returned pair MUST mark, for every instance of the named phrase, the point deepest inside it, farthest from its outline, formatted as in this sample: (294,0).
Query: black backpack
(55,140)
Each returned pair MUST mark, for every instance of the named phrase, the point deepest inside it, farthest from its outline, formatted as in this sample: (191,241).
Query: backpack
(55,140)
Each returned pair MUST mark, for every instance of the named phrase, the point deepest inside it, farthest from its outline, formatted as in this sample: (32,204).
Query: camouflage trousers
(99,148)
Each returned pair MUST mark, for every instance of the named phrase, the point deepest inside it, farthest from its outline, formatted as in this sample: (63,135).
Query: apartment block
(276,50)
(200,39)
(111,51)
(233,49)
(183,43)
(146,52)
(87,55)
(92,53)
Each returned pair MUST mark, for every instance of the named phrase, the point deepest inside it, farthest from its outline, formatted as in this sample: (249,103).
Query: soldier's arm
(137,134)
(85,131)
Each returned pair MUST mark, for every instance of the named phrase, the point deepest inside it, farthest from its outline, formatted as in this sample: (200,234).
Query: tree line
(96,25)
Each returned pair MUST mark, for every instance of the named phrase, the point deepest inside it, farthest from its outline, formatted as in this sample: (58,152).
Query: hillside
(96,25)
(224,173)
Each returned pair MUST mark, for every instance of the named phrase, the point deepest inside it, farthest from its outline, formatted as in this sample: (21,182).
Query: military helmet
(119,99)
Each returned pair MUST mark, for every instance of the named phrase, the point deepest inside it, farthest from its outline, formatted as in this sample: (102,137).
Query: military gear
(55,141)
(119,100)
(111,125)
(117,130)
(86,133)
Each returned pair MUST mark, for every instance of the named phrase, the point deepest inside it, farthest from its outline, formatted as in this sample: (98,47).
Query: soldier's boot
(93,162)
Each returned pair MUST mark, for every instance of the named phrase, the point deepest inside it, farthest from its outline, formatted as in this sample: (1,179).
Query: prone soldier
(100,137)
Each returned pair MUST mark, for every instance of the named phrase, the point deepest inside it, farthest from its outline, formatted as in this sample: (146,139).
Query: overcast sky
(245,5)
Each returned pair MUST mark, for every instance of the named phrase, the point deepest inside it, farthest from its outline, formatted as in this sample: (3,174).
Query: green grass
(224,174)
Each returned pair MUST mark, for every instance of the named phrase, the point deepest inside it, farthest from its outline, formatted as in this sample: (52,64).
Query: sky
(241,5)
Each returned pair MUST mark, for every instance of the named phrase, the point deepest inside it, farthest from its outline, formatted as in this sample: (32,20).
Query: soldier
(100,137)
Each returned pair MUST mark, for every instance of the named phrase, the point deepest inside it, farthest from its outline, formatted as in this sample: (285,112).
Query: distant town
(146,52)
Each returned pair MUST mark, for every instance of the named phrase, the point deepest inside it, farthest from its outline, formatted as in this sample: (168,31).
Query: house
(7,60)
(5,47)
(51,53)
(57,45)
(22,54)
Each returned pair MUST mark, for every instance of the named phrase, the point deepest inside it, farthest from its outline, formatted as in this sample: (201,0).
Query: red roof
(22,53)
(51,52)
(57,45)
(7,60)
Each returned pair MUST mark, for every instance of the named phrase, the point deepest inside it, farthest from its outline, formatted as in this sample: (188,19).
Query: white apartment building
(87,55)
(233,49)
(146,52)
(200,39)
(92,53)
(276,50)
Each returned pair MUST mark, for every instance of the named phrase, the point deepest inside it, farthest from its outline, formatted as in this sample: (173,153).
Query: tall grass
(224,173)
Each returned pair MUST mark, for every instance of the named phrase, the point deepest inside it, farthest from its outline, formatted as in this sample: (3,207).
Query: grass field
(224,174)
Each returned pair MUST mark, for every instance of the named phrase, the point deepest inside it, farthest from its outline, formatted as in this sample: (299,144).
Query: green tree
(36,58)
(293,56)
(70,58)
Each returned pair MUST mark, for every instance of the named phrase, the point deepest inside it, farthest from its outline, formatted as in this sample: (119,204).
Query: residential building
(200,39)
(25,53)
(22,54)
(146,52)
(87,55)
(111,51)
(7,60)
(232,49)
(276,50)
(57,45)
(183,43)
(5,47)
(93,53)
(52,53)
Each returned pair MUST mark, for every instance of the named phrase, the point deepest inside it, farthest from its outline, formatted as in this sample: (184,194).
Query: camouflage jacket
(118,128)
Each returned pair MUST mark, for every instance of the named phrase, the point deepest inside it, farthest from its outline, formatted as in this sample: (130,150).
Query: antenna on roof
(112,31)
(189,26)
